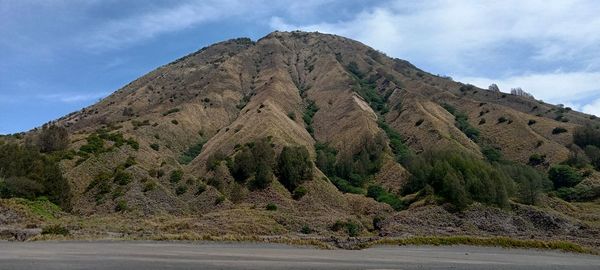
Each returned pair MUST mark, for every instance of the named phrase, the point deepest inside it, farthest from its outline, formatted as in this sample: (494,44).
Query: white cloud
(72,97)
(592,108)
(453,33)
(116,33)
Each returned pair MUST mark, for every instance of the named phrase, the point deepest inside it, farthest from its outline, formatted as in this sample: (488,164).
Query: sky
(58,56)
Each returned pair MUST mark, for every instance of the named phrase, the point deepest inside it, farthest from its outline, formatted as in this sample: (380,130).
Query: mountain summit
(317,133)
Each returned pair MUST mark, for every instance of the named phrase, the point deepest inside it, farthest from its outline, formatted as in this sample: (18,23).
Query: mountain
(316,133)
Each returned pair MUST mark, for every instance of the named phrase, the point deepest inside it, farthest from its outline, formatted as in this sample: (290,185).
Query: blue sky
(58,56)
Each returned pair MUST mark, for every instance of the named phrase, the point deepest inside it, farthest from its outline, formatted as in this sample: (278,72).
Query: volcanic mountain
(174,143)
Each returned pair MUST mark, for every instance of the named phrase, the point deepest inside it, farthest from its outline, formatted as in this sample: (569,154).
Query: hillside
(320,135)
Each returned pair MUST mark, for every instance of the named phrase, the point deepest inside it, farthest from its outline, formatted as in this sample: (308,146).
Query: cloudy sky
(57,56)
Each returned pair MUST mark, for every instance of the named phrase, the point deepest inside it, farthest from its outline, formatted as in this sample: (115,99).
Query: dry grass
(504,242)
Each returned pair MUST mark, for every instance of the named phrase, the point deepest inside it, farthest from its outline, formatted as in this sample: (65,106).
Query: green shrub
(586,135)
(263,176)
(122,178)
(381,195)
(121,206)
(351,228)
(400,150)
(192,152)
(491,154)
(462,123)
(181,189)
(306,230)
(536,159)
(129,162)
(214,160)
(271,207)
(294,166)
(176,176)
(155,146)
(460,178)
(502,119)
(220,200)
(175,122)
(201,188)
(309,113)
(593,153)
(53,138)
(564,176)
(326,158)
(559,130)
(29,173)
(299,192)
(531,122)
(149,186)
(530,183)
(345,186)
(94,145)
(55,230)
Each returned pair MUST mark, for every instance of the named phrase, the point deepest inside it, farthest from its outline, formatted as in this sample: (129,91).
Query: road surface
(207,255)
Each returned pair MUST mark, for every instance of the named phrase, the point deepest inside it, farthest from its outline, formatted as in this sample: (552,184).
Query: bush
(381,195)
(29,173)
(121,206)
(351,228)
(294,166)
(462,123)
(94,145)
(564,176)
(585,136)
(122,178)
(536,159)
(309,113)
(593,153)
(155,146)
(192,152)
(213,161)
(400,150)
(459,178)
(531,122)
(176,176)
(149,186)
(299,192)
(55,230)
(326,158)
(181,189)
(502,119)
(491,154)
(201,188)
(530,183)
(53,138)
(271,207)
(263,176)
(559,130)
(306,230)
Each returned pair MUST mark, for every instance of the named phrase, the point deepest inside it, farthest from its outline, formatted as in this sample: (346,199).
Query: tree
(520,92)
(26,170)
(294,166)
(244,165)
(494,87)
(564,176)
(263,177)
(530,183)
(585,136)
(593,153)
(53,138)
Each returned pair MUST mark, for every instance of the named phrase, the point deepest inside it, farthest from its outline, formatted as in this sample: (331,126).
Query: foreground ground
(201,255)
